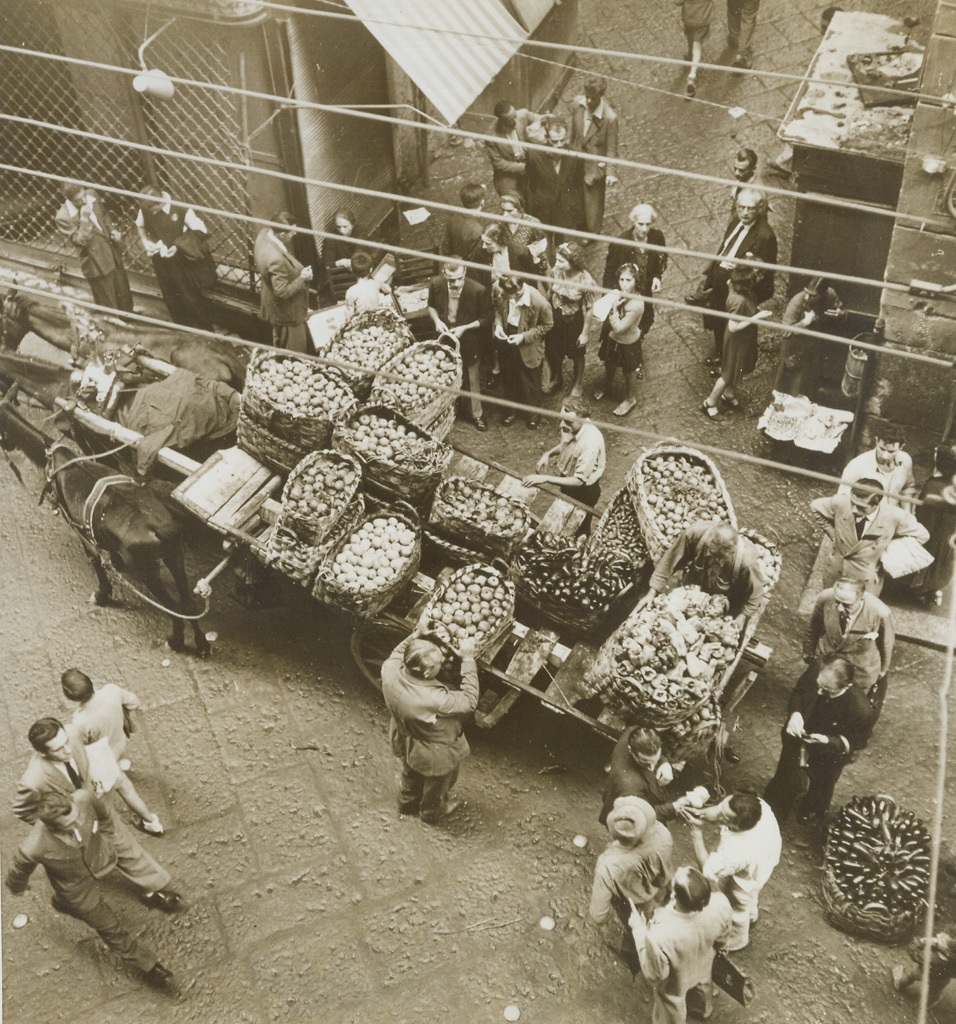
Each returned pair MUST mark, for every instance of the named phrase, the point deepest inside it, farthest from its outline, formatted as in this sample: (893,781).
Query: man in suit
(507,154)
(284,285)
(522,319)
(425,730)
(462,230)
(861,527)
(556,184)
(594,130)
(886,463)
(650,263)
(828,720)
(59,765)
(748,236)
(85,220)
(72,841)
(637,769)
(462,307)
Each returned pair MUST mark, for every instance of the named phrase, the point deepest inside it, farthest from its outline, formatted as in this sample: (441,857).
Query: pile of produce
(426,368)
(673,487)
(477,516)
(317,493)
(877,860)
(476,601)
(366,342)
(301,387)
(374,436)
(768,558)
(618,533)
(668,657)
(685,738)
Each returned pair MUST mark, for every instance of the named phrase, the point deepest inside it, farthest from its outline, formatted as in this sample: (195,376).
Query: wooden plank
(224,475)
(736,692)
(562,518)
(251,511)
(242,494)
(528,659)
(182,492)
(568,687)
(514,488)
(472,469)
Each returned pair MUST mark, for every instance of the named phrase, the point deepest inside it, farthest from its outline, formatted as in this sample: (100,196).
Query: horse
(116,518)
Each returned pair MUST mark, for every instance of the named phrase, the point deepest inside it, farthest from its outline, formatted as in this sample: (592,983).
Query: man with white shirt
(86,222)
(284,285)
(886,463)
(746,855)
(594,130)
(522,319)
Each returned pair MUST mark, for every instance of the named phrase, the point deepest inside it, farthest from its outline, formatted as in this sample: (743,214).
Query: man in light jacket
(426,728)
(523,318)
(284,286)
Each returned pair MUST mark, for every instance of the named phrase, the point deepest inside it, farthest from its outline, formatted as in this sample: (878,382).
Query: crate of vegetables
(431,372)
(618,532)
(559,579)
(476,601)
(365,343)
(876,869)
(667,659)
(400,461)
(476,516)
(671,487)
(289,405)
(368,567)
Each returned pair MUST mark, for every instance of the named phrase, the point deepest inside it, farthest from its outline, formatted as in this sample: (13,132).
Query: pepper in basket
(426,728)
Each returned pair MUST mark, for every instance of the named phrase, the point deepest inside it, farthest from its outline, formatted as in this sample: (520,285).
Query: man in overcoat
(556,185)
(284,286)
(426,727)
(594,130)
(507,154)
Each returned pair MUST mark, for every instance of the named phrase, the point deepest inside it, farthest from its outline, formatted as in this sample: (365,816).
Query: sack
(728,976)
(104,771)
(903,556)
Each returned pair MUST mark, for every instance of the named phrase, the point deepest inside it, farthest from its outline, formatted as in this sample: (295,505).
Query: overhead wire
(484,268)
(822,200)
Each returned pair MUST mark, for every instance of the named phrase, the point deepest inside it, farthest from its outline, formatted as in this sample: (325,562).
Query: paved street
(308,899)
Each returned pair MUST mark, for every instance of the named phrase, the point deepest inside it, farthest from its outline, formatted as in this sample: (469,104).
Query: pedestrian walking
(104,716)
(59,764)
(177,242)
(72,841)
(677,947)
(799,354)
(747,852)
(887,464)
(87,223)
(741,25)
(571,293)
(426,728)
(594,130)
(621,336)
(828,719)
(942,966)
(638,769)
(283,284)
(695,18)
(522,320)
(633,870)
(739,349)
(861,527)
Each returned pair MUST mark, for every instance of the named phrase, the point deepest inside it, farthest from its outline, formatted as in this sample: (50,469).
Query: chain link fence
(196,121)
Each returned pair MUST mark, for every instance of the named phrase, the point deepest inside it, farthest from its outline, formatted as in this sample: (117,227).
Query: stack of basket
(431,375)
(469,518)
(321,501)
(365,343)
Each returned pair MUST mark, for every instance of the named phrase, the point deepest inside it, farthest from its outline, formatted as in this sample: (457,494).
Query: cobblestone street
(308,899)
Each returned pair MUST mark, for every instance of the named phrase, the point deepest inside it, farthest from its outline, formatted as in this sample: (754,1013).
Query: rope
(84,458)
(145,597)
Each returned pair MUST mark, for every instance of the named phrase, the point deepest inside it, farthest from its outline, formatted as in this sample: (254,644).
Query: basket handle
(409,510)
(452,340)
(502,567)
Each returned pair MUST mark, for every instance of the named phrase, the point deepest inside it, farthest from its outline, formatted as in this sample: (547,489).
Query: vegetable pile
(424,364)
(372,436)
(368,341)
(618,533)
(680,492)
(475,602)
(667,657)
(685,738)
(302,387)
(476,515)
(374,555)
(563,569)
(878,856)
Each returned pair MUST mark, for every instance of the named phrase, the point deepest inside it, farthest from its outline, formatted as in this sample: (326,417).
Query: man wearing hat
(635,867)
(426,728)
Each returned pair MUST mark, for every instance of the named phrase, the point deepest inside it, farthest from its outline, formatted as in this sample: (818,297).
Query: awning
(532,12)
(451,70)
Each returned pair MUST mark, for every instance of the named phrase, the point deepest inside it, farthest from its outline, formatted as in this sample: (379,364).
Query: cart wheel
(372,643)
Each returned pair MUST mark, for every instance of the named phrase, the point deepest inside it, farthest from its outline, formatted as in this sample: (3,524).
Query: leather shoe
(731,756)
(532,424)
(508,420)
(447,811)
(479,424)
(163,899)
(159,976)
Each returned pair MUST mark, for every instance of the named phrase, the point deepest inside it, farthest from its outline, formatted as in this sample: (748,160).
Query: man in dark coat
(284,286)
(85,220)
(594,130)
(747,236)
(827,721)
(426,728)
(636,770)
(462,307)
(650,263)
(72,841)
(556,184)
(463,231)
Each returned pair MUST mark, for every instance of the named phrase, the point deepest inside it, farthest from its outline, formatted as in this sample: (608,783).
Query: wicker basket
(292,556)
(441,426)
(875,925)
(330,590)
(681,744)
(656,538)
(281,435)
(572,622)
(620,513)
(424,412)
(448,520)
(447,551)
(394,480)
(368,358)
(314,528)
(484,641)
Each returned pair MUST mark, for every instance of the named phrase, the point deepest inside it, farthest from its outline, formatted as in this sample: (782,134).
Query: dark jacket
(99,254)
(463,237)
(601,139)
(556,198)
(760,243)
(650,264)
(628,778)
(843,719)
(284,294)
(474,303)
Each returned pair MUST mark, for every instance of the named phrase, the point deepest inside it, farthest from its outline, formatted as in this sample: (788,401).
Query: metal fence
(197,121)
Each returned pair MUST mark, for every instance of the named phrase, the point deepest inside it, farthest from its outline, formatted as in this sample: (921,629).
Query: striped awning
(420,35)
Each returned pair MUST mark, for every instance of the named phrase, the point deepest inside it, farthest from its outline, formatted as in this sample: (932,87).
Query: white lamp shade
(155,84)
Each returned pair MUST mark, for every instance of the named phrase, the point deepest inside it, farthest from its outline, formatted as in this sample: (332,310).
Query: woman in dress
(621,338)
(740,341)
(571,296)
